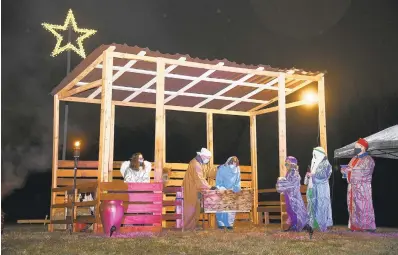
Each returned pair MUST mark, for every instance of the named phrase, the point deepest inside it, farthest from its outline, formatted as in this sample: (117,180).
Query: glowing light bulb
(77,144)
(310,98)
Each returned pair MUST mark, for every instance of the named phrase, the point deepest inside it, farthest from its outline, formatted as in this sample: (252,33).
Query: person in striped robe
(318,191)
(359,194)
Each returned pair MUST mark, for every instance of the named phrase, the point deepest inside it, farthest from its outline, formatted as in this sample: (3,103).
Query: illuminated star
(83,34)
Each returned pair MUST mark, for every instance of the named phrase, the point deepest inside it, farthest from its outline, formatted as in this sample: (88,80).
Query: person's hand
(309,174)
(235,190)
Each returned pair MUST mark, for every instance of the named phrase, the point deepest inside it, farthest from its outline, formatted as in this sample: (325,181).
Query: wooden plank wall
(87,172)
(142,205)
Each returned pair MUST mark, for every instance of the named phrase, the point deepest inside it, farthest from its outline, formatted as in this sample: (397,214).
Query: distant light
(310,98)
(290,72)
(77,144)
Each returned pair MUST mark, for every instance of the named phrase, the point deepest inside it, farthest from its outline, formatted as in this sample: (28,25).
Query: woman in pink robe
(359,195)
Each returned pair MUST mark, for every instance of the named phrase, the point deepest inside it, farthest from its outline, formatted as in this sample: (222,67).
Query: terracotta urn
(112,212)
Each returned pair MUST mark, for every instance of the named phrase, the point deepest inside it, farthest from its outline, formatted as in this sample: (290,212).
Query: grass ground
(243,240)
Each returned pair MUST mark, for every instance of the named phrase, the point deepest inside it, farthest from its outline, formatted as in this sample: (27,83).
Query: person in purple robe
(289,186)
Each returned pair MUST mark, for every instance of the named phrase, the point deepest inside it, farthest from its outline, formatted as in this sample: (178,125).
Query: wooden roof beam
(119,73)
(80,89)
(172,93)
(191,84)
(228,88)
(151,82)
(276,98)
(267,85)
(153,106)
(192,78)
(275,108)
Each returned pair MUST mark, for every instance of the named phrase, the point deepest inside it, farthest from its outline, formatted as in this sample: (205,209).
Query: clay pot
(112,212)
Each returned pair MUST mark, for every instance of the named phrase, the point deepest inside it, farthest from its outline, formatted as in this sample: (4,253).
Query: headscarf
(230,161)
(318,155)
(293,163)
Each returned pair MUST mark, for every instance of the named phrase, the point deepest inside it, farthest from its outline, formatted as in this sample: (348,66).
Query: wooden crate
(142,204)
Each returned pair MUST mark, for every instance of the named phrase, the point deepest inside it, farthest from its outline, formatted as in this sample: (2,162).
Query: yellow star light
(83,34)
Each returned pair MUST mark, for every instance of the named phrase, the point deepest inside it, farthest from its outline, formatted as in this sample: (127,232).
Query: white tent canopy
(383,144)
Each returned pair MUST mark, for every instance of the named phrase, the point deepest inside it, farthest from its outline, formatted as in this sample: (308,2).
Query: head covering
(204,152)
(231,160)
(318,155)
(321,150)
(363,142)
(291,160)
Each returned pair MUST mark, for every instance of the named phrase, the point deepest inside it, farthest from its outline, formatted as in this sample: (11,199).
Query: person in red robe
(359,195)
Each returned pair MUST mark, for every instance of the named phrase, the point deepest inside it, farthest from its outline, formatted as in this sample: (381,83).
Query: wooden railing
(87,172)
(173,209)
(271,209)
(65,205)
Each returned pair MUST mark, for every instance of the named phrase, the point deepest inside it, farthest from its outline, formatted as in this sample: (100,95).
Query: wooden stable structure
(120,75)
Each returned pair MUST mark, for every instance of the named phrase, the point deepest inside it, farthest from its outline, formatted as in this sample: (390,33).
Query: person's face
(289,166)
(140,159)
(206,159)
(359,148)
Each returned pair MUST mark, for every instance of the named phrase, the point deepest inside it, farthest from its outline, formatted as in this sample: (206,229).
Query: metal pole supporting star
(83,34)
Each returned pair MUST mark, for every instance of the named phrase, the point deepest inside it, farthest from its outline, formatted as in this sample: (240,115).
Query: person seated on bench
(228,178)
(136,169)
(290,187)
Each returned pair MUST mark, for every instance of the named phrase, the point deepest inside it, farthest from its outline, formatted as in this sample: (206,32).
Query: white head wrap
(318,155)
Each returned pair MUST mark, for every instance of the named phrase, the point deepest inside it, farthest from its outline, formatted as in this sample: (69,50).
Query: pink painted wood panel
(143,208)
(142,219)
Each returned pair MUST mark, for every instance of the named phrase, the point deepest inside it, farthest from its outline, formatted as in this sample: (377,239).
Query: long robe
(359,194)
(295,207)
(194,181)
(318,197)
(229,179)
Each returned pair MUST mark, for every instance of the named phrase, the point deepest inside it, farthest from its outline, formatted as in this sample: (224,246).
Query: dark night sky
(354,41)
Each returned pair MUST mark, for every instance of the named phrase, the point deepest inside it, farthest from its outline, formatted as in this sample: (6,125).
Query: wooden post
(105,142)
(322,114)
(112,142)
(210,147)
(106,117)
(253,156)
(282,131)
(55,157)
(160,120)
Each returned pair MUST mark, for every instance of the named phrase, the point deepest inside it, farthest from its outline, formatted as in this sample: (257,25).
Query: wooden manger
(227,201)
(120,75)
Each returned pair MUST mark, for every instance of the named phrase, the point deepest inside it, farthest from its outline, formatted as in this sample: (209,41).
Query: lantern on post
(76,155)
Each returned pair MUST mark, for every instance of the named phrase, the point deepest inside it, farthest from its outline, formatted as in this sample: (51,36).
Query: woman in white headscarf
(318,192)
(228,178)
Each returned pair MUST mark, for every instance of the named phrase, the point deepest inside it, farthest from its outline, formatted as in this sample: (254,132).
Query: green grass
(243,240)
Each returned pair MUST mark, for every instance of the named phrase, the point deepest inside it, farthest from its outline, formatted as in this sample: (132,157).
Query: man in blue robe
(228,178)
(318,191)
(290,187)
